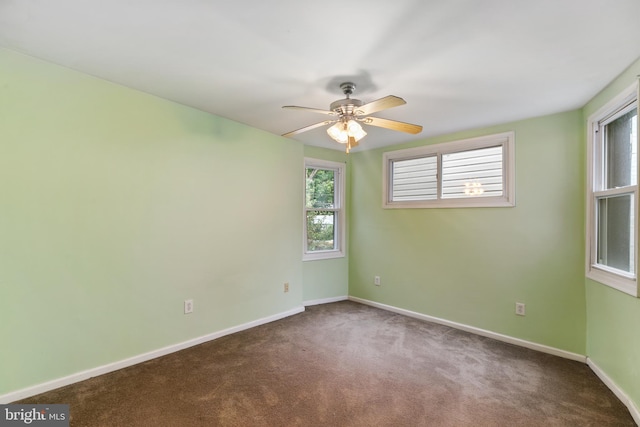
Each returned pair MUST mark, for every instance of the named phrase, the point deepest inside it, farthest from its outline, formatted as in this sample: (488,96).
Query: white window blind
(475,173)
(415,179)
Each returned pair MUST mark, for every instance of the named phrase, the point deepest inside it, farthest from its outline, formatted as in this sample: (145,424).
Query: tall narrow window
(323,210)
(613,193)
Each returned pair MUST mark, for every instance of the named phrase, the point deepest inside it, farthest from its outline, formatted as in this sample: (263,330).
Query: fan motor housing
(345,106)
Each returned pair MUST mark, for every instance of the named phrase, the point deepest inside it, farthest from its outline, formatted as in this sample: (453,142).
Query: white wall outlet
(376,280)
(188,306)
(286,286)
(520,309)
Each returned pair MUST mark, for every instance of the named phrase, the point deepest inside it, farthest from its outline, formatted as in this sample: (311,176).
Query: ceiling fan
(347,114)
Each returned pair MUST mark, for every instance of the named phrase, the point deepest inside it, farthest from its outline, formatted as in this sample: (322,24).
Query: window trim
(339,195)
(506,139)
(614,278)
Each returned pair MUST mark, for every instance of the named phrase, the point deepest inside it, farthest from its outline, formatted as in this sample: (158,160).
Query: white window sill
(480,202)
(315,256)
(621,283)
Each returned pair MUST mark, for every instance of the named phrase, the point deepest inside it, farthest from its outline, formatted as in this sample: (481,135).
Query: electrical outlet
(520,309)
(376,280)
(188,306)
(286,287)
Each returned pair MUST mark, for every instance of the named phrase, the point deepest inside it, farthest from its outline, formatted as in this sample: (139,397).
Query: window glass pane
(414,179)
(473,173)
(321,230)
(320,191)
(620,147)
(616,232)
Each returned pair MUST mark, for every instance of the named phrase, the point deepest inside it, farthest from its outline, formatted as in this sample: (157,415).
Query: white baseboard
(620,394)
(483,332)
(100,370)
(324,300)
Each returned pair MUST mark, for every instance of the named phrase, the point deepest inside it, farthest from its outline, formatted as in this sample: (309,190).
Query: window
(324,216)
(477,172)
(613,193)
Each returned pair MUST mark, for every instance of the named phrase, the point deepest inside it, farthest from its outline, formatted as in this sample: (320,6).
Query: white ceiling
(459,64)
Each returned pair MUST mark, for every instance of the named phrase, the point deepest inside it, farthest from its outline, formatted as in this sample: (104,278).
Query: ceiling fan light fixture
(338,133)
(355,130)
(342,131)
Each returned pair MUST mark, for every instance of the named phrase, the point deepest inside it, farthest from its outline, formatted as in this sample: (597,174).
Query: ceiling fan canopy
(347,114)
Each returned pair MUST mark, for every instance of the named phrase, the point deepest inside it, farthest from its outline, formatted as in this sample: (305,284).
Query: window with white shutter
(415,179)
(477,172)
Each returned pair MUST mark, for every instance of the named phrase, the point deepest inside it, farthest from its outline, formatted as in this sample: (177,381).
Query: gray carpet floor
(346,364)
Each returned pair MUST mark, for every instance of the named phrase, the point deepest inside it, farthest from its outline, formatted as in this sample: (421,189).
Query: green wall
(328,278)
(116,206)
(613,326)
(470,265)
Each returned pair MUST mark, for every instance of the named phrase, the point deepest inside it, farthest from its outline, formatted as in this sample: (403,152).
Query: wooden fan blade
(306,128)
(379,105)
(311,110)
(393,125)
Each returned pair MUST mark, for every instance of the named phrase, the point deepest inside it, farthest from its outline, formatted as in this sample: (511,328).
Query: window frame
(339,208)
(505,139)
(623,281)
